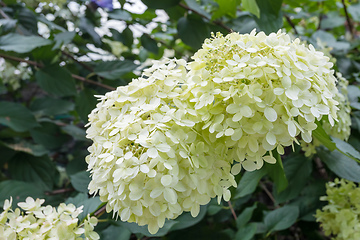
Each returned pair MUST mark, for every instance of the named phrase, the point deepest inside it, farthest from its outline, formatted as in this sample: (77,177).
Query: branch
(291,23)
(100,212)
(59,191)
(348,20)
(92,82)
(21,60)
(203,16)
(321,169)
(75,60)
(36,64)
(232,210)
(269,194)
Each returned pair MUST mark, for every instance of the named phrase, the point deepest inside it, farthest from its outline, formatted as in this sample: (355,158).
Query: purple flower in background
(104,4)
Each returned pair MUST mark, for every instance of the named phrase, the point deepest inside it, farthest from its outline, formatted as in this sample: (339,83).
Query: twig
(92,82)
(269,194)
(100,212)
(203,16)
(232,210)
(348,20)
(321,169)
(59,191)
(3,14)
(36,64)
(291,23)
(80,63)
(21,60)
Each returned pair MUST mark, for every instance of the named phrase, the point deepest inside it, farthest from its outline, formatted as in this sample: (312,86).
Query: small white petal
(270,114)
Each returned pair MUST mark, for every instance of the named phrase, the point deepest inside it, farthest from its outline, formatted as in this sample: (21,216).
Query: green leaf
(120,14)
(87,27)
(85,102)
(126,36)
(185,220)
(21,44)
(63,39)
(245,216)
(309,202)
(270,15)
(194,5)
(340,164)
(51,106)
(252,7)
(277,173)
(113,70)
(346,148)
(247,232)
(49,135)
(228,8)
(8,24)
(160,4)
(149,44)
(80,181)
(244,23)
(115,233)
(27,20)
(297,170)
(38,170)
(249,182)
(56,80)
(26,147)
(354,10)
(19,191)
(281,218)
(320,134)
(76,132)
(16,116)
(193,30)
(50,24)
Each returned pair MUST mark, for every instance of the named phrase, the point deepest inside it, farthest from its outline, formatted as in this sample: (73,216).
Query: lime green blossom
(258,93)
(342,127)
(150,159)
(340,218)
(44,222)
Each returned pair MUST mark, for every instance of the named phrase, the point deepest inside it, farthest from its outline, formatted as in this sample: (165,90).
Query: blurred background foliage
(56,55)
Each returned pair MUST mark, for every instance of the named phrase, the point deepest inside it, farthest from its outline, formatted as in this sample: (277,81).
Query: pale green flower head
(267,91)
(44,222)
(341,129)
(341,216)
(150,159)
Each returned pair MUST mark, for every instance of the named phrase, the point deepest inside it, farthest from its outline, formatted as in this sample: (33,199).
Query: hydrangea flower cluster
(166,143)
(342,127)
(341,216)
(150,160)
(44,222)
(261,92)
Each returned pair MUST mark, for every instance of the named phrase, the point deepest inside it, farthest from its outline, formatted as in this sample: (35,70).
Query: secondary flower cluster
(266,90)
(341,216)
(167,142)
(342,127)
(44,222)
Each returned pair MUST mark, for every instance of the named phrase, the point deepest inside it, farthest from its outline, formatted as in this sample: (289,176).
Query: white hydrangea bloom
(342,127)
(44,222)
(261,92)
(150,159)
